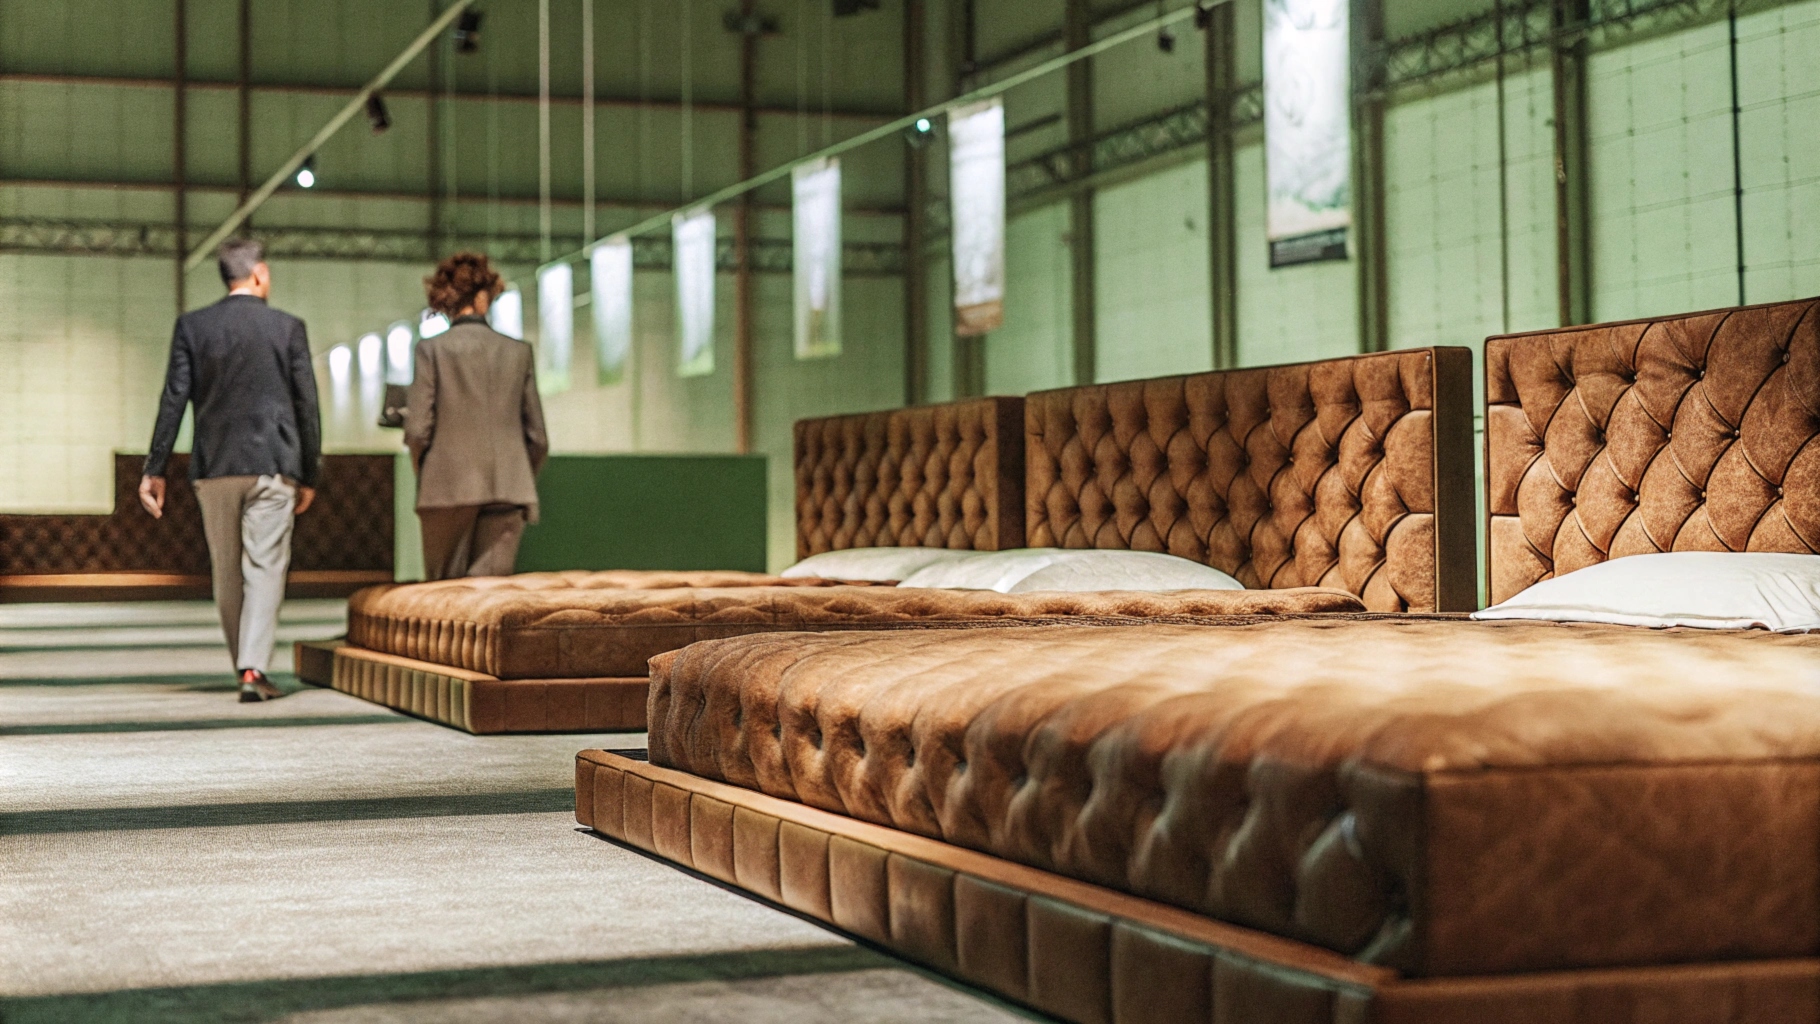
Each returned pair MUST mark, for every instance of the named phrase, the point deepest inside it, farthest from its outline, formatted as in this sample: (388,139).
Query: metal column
(916,202)
(1573,240)
(1370,256)
(179,148)
(1222,235)
(969,353)
(742,228)
(1078,32)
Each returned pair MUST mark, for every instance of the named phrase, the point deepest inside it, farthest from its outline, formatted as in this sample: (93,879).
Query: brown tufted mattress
(569,625)
(1543,797)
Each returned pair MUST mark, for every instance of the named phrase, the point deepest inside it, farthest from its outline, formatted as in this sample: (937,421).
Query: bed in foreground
(1333,819)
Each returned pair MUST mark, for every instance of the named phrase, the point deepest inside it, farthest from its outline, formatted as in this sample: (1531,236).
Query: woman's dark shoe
(255,687)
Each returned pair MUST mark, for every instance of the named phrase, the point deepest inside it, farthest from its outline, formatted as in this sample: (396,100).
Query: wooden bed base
(472,701)
(1090,954)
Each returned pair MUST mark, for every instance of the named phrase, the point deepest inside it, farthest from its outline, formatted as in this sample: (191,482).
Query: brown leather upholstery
(604,624)
(348,529)
(1088,953)
(1349,473)
(1688,433)
(480,704)
(1545,797)
(944,476)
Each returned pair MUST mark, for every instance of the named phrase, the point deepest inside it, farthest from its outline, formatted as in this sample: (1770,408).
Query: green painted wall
(649,512)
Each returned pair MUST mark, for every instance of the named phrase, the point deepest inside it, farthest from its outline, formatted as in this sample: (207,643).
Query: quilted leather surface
(1689,433)
(1346,473)
(944,476)
(349,527)
(1545,797)
(586,624)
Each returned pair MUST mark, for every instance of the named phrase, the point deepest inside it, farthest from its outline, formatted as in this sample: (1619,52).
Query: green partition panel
(649,512)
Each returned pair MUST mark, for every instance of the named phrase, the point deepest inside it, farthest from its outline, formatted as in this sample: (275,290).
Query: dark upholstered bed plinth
(1091,954)
(314,661)
(482,704)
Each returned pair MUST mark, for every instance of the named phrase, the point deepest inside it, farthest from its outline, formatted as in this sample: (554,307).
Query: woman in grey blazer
(475,428)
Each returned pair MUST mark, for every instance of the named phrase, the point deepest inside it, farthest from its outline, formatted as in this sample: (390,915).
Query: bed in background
(939,476)
(1337,486)
(1394,818)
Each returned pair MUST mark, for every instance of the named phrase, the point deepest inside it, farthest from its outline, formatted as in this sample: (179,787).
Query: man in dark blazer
(257,442)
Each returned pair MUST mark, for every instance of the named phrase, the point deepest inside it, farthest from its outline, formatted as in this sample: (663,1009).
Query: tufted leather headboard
(1698,432)
(945,476)
(346,534)
(1353,473)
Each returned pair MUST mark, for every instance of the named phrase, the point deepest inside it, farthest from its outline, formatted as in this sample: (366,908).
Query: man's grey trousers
(248,523)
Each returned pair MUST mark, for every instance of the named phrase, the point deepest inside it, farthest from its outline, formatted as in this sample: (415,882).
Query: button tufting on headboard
(1698,432)
(948,476)
(1352,473)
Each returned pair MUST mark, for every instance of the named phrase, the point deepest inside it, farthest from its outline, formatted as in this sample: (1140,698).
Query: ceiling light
(377,115)
(306,175)
(467,31)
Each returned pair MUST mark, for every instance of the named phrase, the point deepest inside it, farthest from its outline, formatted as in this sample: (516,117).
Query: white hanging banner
(976,169)
(817,257)
(692,235)
(555,327)
(611,273)
(507,314)
(1307,129)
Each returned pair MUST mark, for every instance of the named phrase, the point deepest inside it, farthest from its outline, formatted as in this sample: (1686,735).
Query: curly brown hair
(459,280)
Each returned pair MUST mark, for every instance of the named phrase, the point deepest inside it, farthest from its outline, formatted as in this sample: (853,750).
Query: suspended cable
(587,118)
(897,126)
(802,77)
(688,100)
(543,129)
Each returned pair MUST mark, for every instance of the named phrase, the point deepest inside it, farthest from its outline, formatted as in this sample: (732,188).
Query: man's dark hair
(237,257)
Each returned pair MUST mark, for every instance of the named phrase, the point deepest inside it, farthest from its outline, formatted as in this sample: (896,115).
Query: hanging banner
(611,284)
(693,265)
(1307,129)
(555,327)
(976,169)
(507,314)
(817,258)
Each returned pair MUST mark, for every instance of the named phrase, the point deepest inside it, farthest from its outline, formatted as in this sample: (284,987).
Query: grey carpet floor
(168,854)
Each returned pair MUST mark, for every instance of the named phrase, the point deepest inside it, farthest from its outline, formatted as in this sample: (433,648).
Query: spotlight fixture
(1165,40)
(919,134)
(377,115)
(1203,16)
(848,8)
(467,31)
(306,175)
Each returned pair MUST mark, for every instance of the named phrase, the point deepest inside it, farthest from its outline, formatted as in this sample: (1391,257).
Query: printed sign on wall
(1307,129)
(817,258)
(610,267)
(976,168)
(555,327)
(507,314)
(693,261)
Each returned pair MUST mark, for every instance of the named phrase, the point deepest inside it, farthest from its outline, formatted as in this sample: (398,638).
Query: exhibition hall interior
(826,511)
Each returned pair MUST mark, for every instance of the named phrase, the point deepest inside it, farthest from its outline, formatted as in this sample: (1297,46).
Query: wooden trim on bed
(1090,954)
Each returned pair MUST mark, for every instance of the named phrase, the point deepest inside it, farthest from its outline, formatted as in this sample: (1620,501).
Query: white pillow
(870,564)
(1710,590)
(1124,570)
(983,570)
(1026,569)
